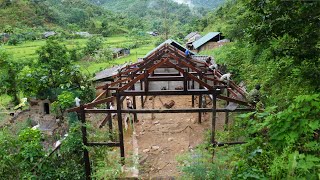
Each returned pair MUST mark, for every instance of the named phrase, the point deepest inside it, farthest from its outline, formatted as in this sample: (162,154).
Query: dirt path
(165,136)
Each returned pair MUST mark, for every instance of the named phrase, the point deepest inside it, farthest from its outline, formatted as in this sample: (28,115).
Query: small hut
(48,34)
(207,42)
(120,52)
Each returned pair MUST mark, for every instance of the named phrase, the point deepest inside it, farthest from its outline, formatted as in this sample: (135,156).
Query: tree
(93,44)
(9,76)
(53,73)
(65,100)
(8,29)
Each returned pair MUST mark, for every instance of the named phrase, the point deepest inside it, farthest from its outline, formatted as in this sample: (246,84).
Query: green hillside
(155,15)
(72,15)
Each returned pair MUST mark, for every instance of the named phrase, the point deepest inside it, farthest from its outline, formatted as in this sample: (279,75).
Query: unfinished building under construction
(165,71)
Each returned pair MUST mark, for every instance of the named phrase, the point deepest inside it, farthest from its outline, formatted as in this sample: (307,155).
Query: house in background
(190,38)
(153,33)
(106,76)
(119,52)
(48,34)
(207,42)
(83,34)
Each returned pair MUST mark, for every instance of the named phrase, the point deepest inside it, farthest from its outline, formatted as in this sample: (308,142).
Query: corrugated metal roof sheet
(204,39)
(116,50)
(190,35)
(107,73)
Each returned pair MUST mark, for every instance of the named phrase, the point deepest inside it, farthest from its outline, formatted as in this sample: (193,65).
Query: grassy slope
(89,67)
(27,51)
(20,13)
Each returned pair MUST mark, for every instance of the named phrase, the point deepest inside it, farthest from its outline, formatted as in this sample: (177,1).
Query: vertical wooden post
(146,83)
(227,113)
(153,101)
(109,116)
(85,141)
(192,100)
(200,105)
(134,103)
(188,82)
(141,88)
(192,87)
(214,113)
(185,82)
(120,127)
(135,117)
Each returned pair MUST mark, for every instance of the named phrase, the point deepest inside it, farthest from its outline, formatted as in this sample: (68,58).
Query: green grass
(27,51)
(91,67)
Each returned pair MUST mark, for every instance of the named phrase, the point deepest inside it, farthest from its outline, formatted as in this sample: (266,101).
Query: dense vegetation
(276,44)
(33,17)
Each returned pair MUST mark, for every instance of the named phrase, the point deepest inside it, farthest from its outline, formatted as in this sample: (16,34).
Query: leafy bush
(19,153)
(283,144)
(15,39)
(104,55)
(53,74)
(93,45)
(76,53)
(65,100)
(200,164)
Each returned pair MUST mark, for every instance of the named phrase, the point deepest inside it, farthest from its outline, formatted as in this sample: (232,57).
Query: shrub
(93,45)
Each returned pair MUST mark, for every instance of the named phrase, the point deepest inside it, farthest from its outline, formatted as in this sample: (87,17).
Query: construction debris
(169,105)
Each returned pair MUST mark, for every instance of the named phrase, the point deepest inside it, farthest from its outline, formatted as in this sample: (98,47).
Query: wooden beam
(109,99)
(100,95)
(113,83)
(120,128)
(132,82)
(148,111)
(175,66)
(154,67)
(200,82)
(164,92)
(85,141)
(109,144)
(233,100)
